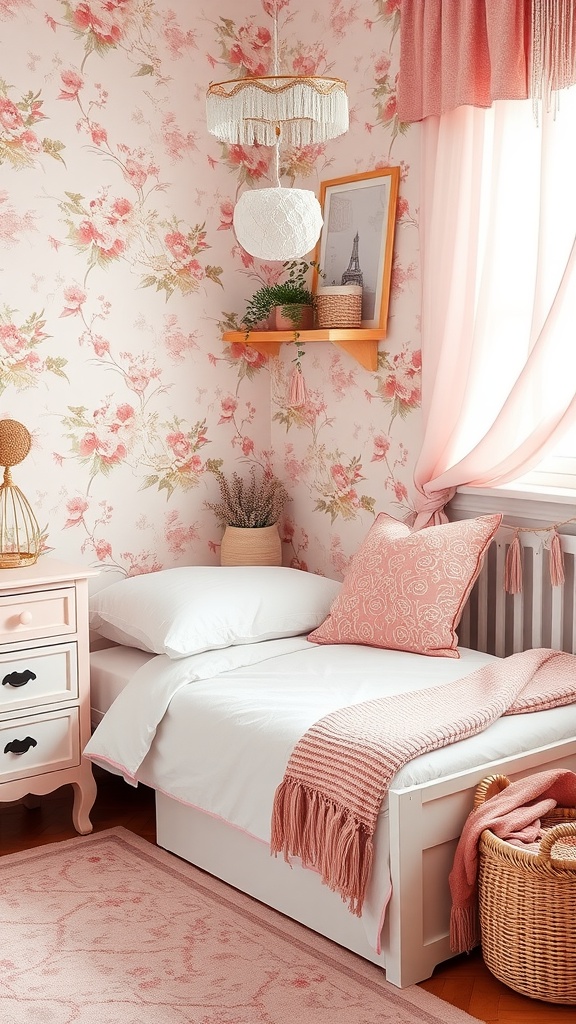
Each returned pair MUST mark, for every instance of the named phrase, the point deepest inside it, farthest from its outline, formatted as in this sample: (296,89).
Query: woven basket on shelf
(339,306)
(527,906)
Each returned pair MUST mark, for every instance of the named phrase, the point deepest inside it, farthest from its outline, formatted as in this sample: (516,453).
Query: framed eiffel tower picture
(357,240)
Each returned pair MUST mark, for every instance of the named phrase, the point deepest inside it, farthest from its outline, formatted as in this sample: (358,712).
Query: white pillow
(198,608)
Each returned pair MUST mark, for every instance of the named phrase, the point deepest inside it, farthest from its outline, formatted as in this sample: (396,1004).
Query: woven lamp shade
(20,538)
(278,223)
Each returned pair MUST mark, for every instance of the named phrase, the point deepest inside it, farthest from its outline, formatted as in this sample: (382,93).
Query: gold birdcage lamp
(20,538)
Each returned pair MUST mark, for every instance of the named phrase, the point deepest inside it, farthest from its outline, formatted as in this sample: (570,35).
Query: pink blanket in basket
(326,807)
(514,815)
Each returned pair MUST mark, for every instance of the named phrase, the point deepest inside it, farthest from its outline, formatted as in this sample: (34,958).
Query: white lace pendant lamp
(277,223)
(301,110)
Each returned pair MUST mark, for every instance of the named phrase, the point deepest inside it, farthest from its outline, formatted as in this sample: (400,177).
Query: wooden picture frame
(357,238)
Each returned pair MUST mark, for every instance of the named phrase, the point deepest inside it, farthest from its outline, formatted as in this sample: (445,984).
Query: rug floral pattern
(110,930)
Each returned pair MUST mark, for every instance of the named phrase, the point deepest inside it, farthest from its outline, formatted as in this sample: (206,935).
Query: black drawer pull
(18,678)
(20,746)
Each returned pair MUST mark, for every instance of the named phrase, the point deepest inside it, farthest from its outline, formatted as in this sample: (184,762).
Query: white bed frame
(424,825)
(424,822)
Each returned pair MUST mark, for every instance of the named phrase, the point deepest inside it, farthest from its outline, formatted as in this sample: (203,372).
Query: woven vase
(257,545)
(339,306)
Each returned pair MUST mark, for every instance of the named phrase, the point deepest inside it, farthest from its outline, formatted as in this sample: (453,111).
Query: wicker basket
(339,306)
(527,906)
(254,545)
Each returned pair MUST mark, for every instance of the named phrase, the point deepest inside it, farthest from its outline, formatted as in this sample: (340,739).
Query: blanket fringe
(307,825)
(464,928)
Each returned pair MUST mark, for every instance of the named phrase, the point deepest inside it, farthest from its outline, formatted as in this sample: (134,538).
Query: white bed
(215,812)
(211,720)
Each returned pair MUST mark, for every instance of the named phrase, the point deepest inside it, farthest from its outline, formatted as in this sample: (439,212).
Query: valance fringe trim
(553,53)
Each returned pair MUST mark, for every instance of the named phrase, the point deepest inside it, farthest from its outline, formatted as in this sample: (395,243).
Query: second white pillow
(190,609)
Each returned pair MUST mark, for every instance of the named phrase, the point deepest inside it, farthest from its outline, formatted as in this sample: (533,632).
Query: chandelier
(299,111)
(277,223)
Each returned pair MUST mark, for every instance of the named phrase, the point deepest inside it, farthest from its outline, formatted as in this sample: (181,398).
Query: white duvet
(215,730)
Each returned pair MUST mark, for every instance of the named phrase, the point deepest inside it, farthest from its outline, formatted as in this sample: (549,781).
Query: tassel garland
(513,567)
(556,561)
(513,563)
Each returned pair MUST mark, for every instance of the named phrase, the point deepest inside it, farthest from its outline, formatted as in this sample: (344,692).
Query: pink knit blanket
(326,807)
(514,815)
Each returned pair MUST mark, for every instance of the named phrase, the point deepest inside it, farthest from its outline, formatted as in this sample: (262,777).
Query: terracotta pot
(257,545)
(302,318)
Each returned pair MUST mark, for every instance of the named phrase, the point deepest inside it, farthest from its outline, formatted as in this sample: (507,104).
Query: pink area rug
(108,929)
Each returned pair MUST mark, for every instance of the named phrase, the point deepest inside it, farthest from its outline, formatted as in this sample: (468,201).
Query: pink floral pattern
(122,270)
(21,365)
(21,145)
(245,49)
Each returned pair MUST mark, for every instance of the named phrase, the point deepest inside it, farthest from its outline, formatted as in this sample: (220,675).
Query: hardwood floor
(464,981)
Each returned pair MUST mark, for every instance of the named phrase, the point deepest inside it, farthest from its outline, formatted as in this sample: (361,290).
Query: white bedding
(215,730)
(110,670)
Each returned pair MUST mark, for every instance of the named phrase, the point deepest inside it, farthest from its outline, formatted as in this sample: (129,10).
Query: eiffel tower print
(353,275)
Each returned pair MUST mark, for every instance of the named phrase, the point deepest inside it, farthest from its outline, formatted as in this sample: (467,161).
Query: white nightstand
(45,684)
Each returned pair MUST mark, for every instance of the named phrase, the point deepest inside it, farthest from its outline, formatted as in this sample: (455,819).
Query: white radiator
(540,616)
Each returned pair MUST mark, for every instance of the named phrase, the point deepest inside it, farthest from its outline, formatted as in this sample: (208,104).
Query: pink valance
(472,52)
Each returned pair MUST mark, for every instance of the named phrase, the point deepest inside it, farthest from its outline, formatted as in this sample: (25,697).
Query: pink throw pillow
(406,591)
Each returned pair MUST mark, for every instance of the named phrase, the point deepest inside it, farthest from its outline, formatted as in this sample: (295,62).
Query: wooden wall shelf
(361,344)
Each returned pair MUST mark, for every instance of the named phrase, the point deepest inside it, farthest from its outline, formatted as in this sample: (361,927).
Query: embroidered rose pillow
(406,591)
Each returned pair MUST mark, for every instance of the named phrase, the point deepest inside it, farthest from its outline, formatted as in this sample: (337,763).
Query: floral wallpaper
(119,270)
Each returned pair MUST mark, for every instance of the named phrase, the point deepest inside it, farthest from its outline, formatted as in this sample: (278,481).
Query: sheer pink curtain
(498,222)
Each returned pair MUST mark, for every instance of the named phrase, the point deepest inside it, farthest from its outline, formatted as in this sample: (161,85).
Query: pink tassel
(298,396)
(556,561)
(513,567)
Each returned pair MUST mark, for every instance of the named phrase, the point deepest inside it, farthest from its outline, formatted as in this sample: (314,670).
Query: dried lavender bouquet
(249,503)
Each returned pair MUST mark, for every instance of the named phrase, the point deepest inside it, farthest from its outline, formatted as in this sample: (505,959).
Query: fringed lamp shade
(20,537)
(277,223)
(270,110)
(298,111)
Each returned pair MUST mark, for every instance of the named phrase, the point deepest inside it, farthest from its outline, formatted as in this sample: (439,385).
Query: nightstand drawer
(38,744)
(37,615)
(39,675)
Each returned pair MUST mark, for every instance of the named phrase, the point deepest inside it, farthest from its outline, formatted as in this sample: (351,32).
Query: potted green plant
(249,510)
(291,301)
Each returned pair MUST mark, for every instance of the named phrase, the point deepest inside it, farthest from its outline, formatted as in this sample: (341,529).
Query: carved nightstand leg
(84,797)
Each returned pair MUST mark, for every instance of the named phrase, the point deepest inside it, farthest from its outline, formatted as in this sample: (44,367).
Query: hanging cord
(275,42)
(275,67)
(297,396)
